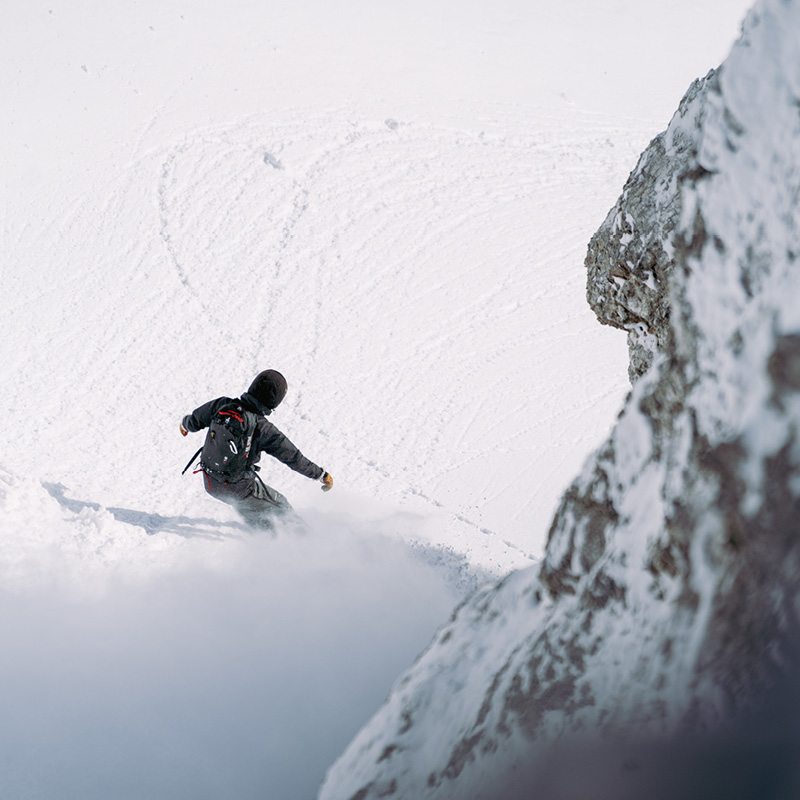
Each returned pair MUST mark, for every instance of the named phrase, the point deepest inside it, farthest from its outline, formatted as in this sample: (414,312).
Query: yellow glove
(327,482)
(184,432)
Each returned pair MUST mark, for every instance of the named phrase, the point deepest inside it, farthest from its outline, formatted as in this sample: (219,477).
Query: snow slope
(391,207)
(397,284)
(412,263)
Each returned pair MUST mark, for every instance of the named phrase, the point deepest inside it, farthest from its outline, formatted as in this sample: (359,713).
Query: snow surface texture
(396,284)
(389,205)
(668,601)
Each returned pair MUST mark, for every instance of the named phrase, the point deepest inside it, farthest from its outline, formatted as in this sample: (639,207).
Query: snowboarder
(238,432)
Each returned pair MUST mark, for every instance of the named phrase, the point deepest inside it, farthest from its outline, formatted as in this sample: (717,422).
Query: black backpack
(227,446)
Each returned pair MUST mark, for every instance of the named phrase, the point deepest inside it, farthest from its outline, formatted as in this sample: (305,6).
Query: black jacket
(267,439)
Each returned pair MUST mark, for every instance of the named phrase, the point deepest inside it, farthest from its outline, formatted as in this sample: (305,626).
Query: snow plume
(201,661)
(664,619)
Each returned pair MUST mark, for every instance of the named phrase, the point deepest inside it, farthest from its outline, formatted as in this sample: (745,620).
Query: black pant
(259,505)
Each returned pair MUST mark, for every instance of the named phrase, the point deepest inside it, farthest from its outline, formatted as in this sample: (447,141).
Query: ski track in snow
(404,275)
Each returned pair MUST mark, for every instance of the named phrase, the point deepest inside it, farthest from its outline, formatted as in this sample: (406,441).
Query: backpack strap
(252,424)
(191,460)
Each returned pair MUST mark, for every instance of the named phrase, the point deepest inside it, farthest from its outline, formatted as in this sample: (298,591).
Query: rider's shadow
(190,527)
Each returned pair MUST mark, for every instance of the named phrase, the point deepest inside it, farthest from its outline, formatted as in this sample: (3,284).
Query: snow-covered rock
(668,601)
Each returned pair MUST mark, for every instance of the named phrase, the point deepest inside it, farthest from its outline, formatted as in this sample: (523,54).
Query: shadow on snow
(189,527)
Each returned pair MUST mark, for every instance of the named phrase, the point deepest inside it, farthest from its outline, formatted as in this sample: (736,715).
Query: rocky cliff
(631,256)
(666,610)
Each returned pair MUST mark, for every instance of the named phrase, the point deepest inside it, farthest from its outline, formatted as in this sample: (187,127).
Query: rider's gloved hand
(327,482)
(184,432)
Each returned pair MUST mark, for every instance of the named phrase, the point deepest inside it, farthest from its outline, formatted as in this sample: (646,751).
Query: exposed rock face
(669,598)
(631,256)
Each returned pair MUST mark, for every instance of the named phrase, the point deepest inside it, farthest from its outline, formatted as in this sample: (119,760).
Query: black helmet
(269,388)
